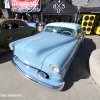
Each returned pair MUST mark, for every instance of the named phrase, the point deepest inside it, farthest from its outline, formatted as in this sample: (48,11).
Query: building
(80,2)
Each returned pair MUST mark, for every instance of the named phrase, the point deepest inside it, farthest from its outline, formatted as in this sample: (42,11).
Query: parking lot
(79,84)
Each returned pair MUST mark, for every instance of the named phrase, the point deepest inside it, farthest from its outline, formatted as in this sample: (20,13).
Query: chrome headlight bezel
(10,46)
(54,68)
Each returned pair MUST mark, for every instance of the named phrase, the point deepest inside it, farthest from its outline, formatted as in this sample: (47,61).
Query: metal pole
(78,14)
(41,18)
(75,17)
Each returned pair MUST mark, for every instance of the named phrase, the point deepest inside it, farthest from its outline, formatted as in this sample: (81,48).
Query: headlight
(10,46)
(41,74)
(54,68)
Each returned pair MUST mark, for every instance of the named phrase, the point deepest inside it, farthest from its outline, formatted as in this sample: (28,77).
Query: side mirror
(79,35)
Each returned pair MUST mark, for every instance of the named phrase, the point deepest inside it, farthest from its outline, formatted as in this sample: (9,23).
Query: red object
(24,4)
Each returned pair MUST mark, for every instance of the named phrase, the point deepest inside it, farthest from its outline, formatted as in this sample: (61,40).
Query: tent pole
(78,17)
(78,13)
(41,18)
(75,17)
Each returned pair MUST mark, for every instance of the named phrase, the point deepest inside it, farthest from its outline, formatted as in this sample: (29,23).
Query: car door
(78,38)
(10,32)
(80,34)
(25,30)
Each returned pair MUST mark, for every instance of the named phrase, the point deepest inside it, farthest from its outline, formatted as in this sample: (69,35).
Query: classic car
(11,30)
(46,56)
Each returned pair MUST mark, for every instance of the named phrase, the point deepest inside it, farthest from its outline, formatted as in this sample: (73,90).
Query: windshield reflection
(61,30)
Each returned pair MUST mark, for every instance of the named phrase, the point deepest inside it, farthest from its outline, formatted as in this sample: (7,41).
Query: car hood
(33,50)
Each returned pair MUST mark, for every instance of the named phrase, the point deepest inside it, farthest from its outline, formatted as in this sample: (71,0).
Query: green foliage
(1,4)
(46,2)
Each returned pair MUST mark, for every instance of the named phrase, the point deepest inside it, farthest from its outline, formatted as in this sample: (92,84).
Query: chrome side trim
(60,87)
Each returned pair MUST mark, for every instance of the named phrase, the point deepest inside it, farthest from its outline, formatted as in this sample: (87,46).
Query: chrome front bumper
(59,87)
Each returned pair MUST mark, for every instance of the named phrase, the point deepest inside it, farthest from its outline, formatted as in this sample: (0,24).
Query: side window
(6,26)
(79,30)
(10,26)
(22,25)
(14,26)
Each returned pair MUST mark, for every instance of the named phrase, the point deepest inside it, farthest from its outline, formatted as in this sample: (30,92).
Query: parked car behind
(11,30)
(46,57)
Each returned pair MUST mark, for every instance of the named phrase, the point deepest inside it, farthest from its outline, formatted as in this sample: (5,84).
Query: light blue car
(46,56)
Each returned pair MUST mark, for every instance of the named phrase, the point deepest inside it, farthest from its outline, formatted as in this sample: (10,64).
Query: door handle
(8,39)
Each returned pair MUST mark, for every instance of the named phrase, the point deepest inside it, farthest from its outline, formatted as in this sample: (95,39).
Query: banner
(7,4)
(25,6)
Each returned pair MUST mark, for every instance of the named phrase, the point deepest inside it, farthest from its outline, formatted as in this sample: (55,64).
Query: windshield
(61,30)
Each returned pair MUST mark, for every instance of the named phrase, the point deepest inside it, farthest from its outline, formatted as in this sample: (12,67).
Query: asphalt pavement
(79,84)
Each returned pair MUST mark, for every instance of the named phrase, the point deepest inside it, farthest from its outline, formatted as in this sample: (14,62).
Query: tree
(1,5)
(46,2)
(70,1)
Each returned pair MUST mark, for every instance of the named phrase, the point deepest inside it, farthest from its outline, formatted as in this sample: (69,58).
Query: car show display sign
(25,5)
(7,4)
(61,7)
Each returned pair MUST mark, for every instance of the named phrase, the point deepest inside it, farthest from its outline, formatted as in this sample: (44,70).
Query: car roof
(64,24)
(3,20)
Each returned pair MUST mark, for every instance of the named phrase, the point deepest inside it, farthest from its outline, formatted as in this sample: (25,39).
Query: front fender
(61,58)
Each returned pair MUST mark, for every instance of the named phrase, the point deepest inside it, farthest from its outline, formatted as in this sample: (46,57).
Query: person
(47,20)
(29,17)
(70,18)
(34,18)
(9,16)
(22,18)
(51,20)
(59,19)
(16,16)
